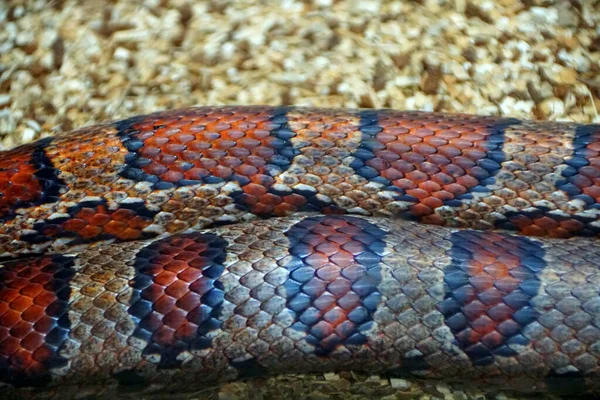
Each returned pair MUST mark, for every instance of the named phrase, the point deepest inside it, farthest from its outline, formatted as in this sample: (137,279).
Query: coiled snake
(206,244)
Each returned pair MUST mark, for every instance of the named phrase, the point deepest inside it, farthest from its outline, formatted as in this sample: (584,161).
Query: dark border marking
(47,179)
(489,285)
(332,288)
(177,297)
(34,322)
(487,167)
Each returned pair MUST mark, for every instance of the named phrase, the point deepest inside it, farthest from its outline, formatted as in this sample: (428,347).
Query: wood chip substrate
(66,64)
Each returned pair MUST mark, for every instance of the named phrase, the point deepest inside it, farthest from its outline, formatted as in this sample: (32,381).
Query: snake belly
(129,259)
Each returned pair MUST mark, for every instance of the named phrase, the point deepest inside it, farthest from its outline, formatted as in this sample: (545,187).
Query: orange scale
(10,318)
(23,279)
(424,149)
(74,224)
(215,154)
(270,200)
(231,162)
(327,248)
(471,135)
(174,148)
(449,151)
(572,225)
(189,302)
(534,230)
(403,166)
(443,195)
(175,319)
(593,191)
(115,227)
(172,176)
(42,354)
(165,278)
(342,259)
(435,141)
(474,309)
(122,215)
(186,331)
(521,221)
(248,142)
(420,210)
(183,138)
(164,335)
(432,202)
(22,178)
(21,303)
(138,222)
(412,125)
(222,172)
(387,155)
(153,292)
(559,233)
(325,229)
(176,266)
(398,147)
(199,145)
(164,305)
(418,193)
(396,131)
(246,170)
(32,341)
(295,200)
(392,174)
(224,144)
(21,329)
(378,164)
(284,209)
(89,232)
(261,209)
(129,234)
(456,189)
(263,180)
(482,282)
(9,346)
(413,158)
(254,189)
(417,176)
(258,162)
(177,289)
(442,179)
(264,152)
(190,274)
(430,186)
(433,219)
(546,223)
(483,325)
(405,184)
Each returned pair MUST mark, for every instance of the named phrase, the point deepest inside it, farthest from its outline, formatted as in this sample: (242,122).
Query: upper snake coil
(205,244)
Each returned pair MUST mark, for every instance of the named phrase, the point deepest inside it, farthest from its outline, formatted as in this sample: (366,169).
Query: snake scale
(192,246)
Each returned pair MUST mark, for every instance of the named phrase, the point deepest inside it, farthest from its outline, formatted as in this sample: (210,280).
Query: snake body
(212,243)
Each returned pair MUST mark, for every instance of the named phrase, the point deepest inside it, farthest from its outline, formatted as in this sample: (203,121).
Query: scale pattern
(128,260)
(164,173)
(302,294)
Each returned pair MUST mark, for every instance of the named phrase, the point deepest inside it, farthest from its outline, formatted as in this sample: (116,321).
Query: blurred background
(66,63)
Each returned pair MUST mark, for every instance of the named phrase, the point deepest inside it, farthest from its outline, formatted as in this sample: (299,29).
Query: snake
(193,246)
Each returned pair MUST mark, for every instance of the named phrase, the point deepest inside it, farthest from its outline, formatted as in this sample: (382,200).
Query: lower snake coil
(208,244)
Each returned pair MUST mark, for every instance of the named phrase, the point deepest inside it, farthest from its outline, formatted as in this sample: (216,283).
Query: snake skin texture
(210,244)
